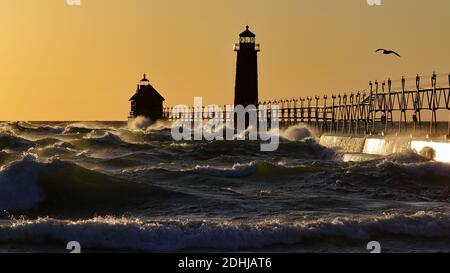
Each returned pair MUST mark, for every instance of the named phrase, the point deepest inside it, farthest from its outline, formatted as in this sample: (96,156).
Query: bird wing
(380,49)
(395,53)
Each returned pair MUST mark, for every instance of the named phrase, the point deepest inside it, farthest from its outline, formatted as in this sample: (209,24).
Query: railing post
(434,106)
(324,113)
(375,104)
(280,112)
(448,133)
(333,114)
(345,119)
(352,113)
(309,110)
(370,108)
(390,117)
(316,112)
(294,111)
(302,110)
(358,111)
(286,112)
(339,113)
(402,107)
(384,107)
(418,104)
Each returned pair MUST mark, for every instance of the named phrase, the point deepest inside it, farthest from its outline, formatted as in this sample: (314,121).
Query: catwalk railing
(387,107)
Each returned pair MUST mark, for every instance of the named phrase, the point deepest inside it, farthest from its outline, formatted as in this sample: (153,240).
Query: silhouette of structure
(362,112)
(146,102)
(246,87)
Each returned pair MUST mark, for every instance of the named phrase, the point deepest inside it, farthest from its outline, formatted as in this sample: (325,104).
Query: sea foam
(135,234)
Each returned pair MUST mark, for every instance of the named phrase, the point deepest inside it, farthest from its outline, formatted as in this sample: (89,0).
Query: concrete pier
(436,149)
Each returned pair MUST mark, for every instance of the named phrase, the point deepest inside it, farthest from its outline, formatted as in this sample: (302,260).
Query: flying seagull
(387,52)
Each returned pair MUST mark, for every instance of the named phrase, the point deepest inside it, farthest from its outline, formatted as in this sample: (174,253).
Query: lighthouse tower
(246,86)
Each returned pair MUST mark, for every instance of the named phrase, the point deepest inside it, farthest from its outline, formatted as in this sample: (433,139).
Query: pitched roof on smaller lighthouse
(145,91)
(247,33)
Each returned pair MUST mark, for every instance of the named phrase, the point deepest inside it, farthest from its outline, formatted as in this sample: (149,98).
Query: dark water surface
(113,187)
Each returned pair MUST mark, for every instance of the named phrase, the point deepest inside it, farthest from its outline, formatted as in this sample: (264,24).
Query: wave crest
(256,168)
(105,138)
(55,184)
(296,133)
(9,140)
(18,184)
(175,235)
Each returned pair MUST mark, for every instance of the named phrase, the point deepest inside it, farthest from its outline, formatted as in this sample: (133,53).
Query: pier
(387,107)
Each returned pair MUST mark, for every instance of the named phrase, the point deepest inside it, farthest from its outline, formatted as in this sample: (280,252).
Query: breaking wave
(296,133)
(416,166)
(58,185)
(22,126)
(256,168)
(85,128)
(108,233)
(9,140)
(105,138)
(18,185)
(237,170)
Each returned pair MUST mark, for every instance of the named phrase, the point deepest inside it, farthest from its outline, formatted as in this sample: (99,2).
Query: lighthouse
(246,86)
(146,102)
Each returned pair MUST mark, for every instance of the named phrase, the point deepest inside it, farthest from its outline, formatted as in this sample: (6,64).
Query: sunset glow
(56,57)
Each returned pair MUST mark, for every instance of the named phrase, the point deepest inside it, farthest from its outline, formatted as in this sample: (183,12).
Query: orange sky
(82,63)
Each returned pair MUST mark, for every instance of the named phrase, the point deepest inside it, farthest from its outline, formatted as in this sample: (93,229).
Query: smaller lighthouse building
(146,102)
